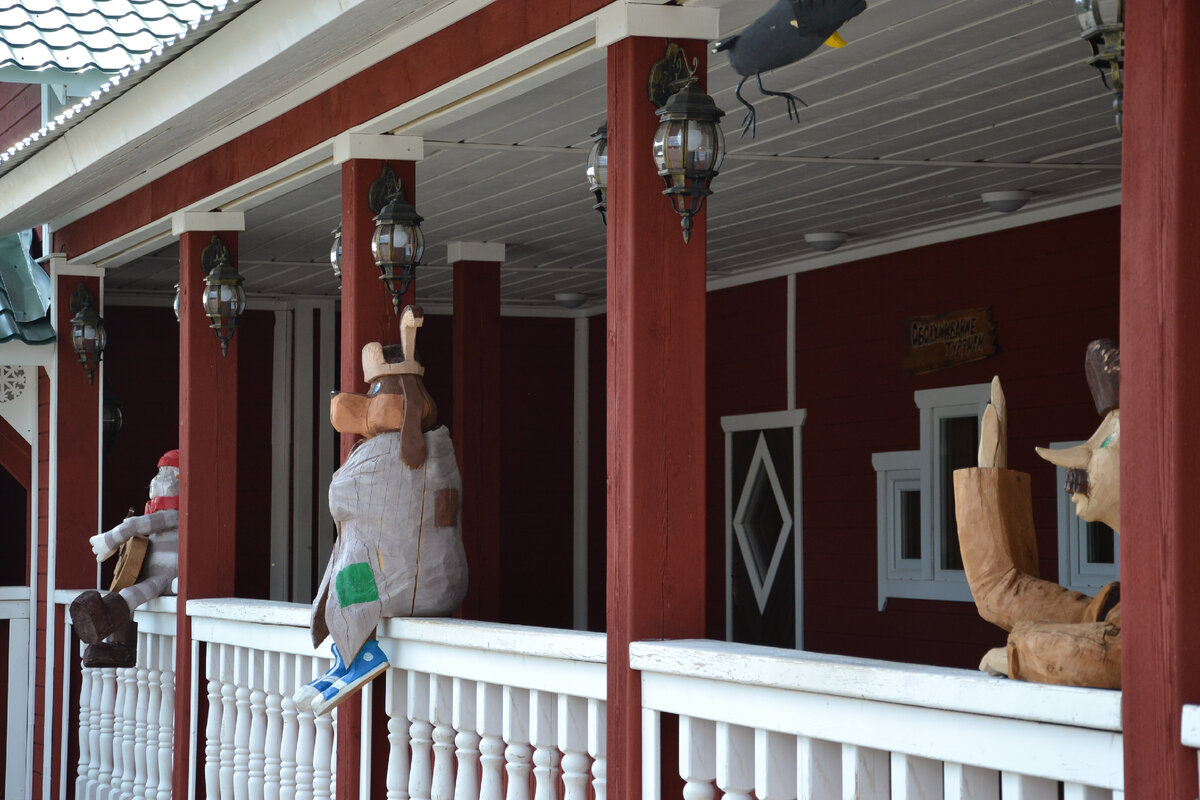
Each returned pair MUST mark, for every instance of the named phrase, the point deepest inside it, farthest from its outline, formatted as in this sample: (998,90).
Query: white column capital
(622,19)
(385,147)
(475,251)
(187,221)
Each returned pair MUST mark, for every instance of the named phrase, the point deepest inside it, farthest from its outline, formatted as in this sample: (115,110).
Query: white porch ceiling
(931,103)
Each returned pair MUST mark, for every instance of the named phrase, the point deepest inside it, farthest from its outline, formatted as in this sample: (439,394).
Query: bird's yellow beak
(836,40)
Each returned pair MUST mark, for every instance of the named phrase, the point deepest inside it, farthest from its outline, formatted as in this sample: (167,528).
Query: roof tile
(83,35)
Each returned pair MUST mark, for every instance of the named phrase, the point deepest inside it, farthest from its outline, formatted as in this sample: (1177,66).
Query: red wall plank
(20,112)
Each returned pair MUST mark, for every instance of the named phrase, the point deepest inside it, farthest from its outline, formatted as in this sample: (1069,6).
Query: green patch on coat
(356,584)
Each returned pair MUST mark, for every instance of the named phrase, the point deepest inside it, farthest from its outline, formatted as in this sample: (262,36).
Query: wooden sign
(947,340)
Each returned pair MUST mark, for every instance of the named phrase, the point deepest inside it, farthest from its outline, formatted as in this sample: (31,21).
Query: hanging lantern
(397,245)
(1103,26)
(175,303)
(335,255)
(224,298)
(88,336)
(597,170)
(688,150)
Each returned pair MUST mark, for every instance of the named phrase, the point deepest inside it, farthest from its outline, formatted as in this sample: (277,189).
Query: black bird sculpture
(788,32)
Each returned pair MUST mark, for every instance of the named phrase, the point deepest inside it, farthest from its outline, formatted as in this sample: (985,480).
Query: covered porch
(597,442)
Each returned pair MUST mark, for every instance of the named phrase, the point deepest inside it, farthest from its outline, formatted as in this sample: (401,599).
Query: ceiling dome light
(570,299)
(825,241)
(1005,202)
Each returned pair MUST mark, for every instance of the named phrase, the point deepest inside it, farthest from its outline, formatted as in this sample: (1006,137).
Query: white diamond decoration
(761,463)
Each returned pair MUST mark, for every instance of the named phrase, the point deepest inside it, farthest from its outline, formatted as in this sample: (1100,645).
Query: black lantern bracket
(669,74)
(213,255)
(383,189)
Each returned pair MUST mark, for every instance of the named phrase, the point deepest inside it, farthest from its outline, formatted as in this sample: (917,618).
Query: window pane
(959,448)
(910,524)
(1101,544)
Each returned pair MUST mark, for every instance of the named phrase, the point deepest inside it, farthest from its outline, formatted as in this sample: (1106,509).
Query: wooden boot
(95,616)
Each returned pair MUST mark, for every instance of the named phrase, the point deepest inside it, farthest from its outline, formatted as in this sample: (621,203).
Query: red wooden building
(723,442)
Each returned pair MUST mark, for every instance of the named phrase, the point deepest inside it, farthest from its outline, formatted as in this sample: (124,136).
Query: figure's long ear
(1076,457)
(993,431)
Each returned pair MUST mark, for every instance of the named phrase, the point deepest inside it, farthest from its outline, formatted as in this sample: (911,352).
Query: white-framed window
(918,536)
(1089,553)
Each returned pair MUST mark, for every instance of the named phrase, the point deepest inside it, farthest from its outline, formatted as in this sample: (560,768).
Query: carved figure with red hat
(149,545)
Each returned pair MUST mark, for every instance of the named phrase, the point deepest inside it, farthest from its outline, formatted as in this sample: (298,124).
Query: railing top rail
(1191,726)
(885,681)
(523,640)
(237,609)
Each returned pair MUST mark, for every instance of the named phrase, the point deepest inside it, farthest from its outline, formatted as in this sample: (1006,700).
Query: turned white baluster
(112,789)
(572,741)
(489,708)
(323,749)
(153,713)
(774,765)
(914,778)
(92,783)
(273,734)
(466,741)
(241,730)
(166,716)
(1027,787)
(129,726)
(735,760)
(818,768)
(963,782)
(258,726)
(518,754)
(440,713)
(226,668)
(865,773)
(86,706)
(396,703)
(420,776)
(306,736)
(598,746)
(105,737)
(543,735)
(333,751)
(141,720)
(697,757)
(289,683)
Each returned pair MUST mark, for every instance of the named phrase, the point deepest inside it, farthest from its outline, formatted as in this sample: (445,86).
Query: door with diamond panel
(763,544)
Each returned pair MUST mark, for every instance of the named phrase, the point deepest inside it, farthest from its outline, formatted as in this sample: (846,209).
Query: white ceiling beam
(622,20)
(385,147)
(475,251)
(187,221)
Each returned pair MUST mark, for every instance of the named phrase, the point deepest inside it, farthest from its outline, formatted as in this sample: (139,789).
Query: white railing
(1191,728)
(783,724)
(474,707)
(127,715)
(256,743)
(17,762)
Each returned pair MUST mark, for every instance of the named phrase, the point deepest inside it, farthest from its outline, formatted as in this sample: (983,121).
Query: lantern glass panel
(597,167)
(335,250)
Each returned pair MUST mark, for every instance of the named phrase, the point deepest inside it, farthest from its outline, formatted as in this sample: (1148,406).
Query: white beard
(165,483)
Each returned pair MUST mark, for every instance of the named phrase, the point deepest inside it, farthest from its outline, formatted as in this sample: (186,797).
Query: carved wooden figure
(1055,635)
(399,549)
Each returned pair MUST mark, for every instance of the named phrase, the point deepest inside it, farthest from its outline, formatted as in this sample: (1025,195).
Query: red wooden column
(208,396)
(76,499)
(1160,287)
(367,316)
(656,381)
(476,423)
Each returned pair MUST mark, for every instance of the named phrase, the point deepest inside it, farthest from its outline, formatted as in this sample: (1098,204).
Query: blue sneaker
(368,662)
(305,695)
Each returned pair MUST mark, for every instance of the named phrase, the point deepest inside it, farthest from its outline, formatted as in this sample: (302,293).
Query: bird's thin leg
(788,96)
(748,123)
